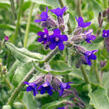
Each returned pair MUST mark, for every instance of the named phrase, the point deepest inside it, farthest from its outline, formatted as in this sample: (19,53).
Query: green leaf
(21,71)
(98,98)
(30,101)
(23,54)
(53,105)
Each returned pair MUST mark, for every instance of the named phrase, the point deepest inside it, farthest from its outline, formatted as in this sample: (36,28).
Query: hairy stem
(50,55)
(19,87)
(96,72)
(68,24)
(79,2)
(28,26)
(84,74)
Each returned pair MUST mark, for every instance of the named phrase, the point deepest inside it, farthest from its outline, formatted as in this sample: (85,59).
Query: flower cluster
(81,35)
(54,37)
(49,84)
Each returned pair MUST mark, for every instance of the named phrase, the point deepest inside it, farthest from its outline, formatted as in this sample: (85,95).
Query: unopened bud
(104,13)
(102,63)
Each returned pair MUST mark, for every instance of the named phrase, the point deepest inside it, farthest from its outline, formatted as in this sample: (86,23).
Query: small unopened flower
(89,37)
(43,16)
(6,38)
(105,33)
(90,55)
(59,11)
(46,87)
(81,22)
(43,36)
(57,39)
(31,87)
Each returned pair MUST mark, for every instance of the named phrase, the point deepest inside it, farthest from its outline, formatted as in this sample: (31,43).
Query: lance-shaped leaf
(23,54)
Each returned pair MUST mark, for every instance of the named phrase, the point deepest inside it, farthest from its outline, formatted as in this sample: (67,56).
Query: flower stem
(14,37)
(68,24)
(13,9)
(96,72)
(28,26)
(79,2)
(19,87)
(50,55)
(84,74)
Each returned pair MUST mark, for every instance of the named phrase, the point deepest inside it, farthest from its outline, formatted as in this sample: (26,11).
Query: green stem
(79,2)
(13,9)
(50,55)
(28,26)
(84,74)
(96,72)
(15,36)
(39,69)
(19,87)
(68,24)
(105,4)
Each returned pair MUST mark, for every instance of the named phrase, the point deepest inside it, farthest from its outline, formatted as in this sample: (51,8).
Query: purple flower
(43,16)
(89,55)
(81,22)
(6,38)
(43,36)
(61,108)
(64,86)
(105,33)
(46,87)
(58,11)
(31,87)
(57,39)
(89,37)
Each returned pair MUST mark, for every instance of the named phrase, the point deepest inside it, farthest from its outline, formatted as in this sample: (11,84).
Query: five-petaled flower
(43,16)
(43,36)
(89,37)
(57,39)
(64,86)
(46,87)
(81,22)
(105,33)
(31,87)
(90,55)
(58,11)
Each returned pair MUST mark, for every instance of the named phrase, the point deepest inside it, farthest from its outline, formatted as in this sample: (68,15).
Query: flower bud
(106,42)
(102,63)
